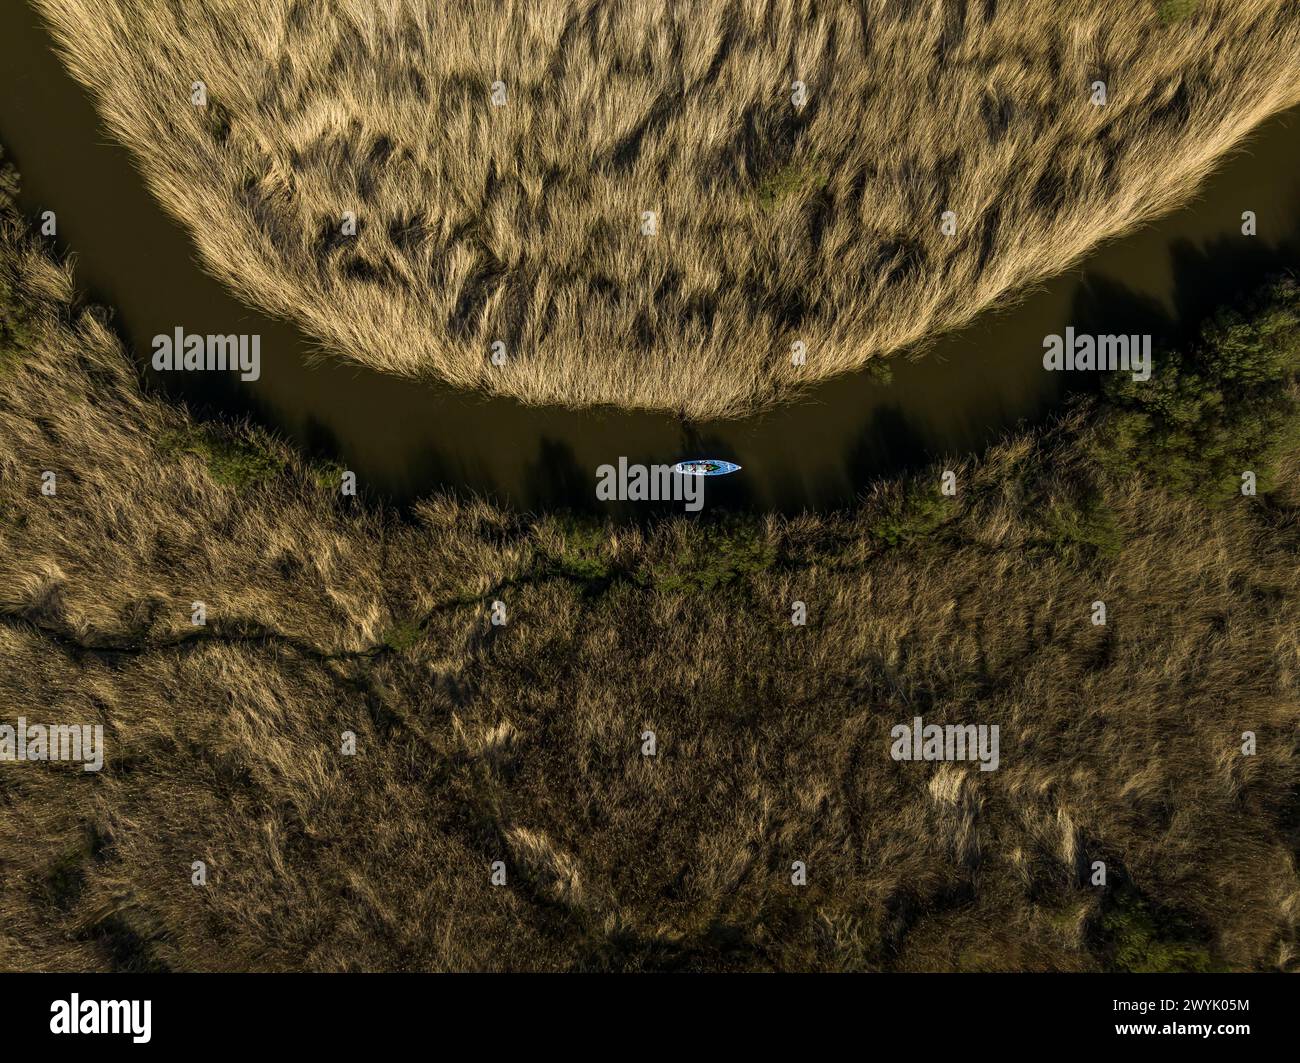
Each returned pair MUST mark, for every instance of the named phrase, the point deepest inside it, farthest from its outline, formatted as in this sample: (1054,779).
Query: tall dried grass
(523,743)
(521,223)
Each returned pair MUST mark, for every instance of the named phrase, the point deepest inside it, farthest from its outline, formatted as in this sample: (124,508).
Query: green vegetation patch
(328,474)
(17,330)
(710,556)
(1138,936)
(17,317)
(402,636)
(1073,529)
(913,514)
(65,876)
(1173,11)
(236,459)
(793,180)
(1216,410)
(585,555)
(714,556)
(216,119)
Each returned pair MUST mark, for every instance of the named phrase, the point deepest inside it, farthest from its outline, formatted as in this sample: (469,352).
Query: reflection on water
(405,438)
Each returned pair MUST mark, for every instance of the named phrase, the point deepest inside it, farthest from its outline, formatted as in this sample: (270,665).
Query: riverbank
(524,742)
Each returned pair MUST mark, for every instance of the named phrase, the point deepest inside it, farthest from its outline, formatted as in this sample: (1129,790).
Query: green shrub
(912,515)
(17,321)
(236,459)
(1219,408)
(17,328)
(585,555)
(65,879)
(327,474)
(216,119)
(1071,528)
(715,556)
(9,183)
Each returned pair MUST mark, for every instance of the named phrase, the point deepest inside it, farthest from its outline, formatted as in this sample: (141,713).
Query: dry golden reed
(522,223)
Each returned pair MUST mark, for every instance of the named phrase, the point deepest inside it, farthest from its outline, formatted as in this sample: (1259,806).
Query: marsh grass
(522,742)
(15,324)
(521,223)
(327,474)
(402,635)
(581,550)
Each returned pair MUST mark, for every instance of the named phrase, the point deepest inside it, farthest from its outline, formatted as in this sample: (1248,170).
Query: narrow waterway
(405,438)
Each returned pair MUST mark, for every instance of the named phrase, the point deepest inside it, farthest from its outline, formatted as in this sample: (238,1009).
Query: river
(406,438)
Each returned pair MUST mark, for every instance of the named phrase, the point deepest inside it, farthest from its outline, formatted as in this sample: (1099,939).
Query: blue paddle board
(706,467)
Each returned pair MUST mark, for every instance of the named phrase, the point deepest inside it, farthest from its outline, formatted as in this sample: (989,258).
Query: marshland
(523,742)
